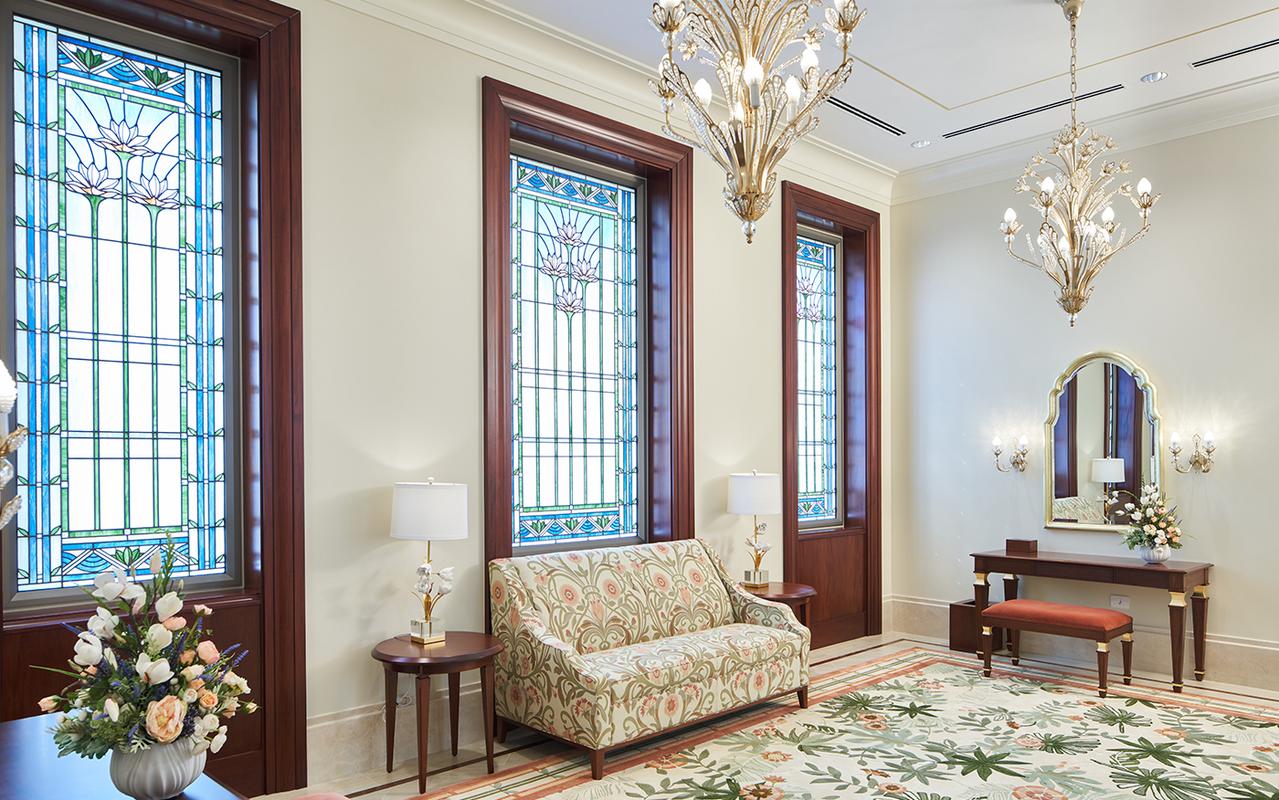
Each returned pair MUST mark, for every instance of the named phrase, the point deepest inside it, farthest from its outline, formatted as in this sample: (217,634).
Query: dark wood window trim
(266,37)
(514,114)
(861,477)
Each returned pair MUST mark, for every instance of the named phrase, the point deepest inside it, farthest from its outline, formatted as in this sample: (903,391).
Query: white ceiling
(930,67)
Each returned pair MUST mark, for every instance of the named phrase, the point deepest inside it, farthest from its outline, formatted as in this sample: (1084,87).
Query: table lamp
(1107,471)
(430,512)
(754,493)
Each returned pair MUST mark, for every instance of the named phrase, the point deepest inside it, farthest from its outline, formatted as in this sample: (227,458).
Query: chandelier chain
(1074,68)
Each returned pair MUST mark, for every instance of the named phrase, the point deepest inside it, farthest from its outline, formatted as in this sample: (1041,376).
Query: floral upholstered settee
(607,646)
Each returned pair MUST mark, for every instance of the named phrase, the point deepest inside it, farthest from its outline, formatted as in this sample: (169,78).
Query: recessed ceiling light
(1153,77)
(920,144)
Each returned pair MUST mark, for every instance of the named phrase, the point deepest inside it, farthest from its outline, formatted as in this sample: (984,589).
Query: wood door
(842,560)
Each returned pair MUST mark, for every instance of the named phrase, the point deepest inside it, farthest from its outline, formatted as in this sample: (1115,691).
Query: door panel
(841,562)
(835,565)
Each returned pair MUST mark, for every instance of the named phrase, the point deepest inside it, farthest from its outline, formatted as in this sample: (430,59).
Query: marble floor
(523,746)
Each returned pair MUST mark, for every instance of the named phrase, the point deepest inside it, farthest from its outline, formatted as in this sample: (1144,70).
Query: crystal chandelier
(1078,235)
(745,42)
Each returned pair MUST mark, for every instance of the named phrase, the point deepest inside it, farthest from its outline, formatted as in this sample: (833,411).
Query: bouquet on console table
(1154,530)
(148,685)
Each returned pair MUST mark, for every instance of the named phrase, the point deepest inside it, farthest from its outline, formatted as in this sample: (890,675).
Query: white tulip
(153,672)
(168,605)
(102,623)
(112,708)
(157,563)
(109,655)
(218,740)
(135,596)
(109,585)
(88,650)
(208,723)
(158,638)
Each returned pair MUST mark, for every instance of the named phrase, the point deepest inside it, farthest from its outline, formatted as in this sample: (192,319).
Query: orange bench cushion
(1099,623)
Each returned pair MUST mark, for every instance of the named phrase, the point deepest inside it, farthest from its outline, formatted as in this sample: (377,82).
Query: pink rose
(174,623)
(48,704)
(164,718)
(187,657)
(207,651)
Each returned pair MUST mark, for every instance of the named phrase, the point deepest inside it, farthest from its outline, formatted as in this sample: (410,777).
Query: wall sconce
(1016,460)
(1200,459)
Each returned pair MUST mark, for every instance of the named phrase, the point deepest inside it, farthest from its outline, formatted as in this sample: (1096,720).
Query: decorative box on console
(1021,547)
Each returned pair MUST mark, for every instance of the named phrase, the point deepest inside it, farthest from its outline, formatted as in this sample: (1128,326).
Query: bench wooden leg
(986,642)
(1103,663)
(1126,642)
(1015,637)
(597,764)
(802,694)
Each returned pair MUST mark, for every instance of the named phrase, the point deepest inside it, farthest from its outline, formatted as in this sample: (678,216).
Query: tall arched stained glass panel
(119,289)
(817,271)
(577,402)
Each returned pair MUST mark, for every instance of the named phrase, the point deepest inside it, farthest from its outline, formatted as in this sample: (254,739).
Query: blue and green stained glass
(817,276)
(575,362)
(119,308)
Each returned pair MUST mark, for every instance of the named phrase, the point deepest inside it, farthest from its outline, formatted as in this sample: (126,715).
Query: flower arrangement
(143,675)
(1153,524)
(758,548)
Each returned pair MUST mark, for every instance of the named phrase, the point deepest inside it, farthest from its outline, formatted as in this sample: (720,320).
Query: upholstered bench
(1101,625)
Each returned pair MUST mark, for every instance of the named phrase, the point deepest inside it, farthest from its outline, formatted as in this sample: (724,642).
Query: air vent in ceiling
(1243,51)
(1029,111)
(862,115)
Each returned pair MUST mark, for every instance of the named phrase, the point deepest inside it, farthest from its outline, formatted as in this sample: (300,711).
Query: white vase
(158,773)
(1156,554)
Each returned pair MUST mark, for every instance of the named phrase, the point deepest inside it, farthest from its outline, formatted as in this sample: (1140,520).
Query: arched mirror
(1103,435)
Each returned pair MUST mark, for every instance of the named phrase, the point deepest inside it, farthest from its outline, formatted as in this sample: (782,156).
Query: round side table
(460,651)
(795,595)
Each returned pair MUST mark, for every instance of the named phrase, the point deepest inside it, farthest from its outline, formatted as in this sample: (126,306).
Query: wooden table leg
(1199,617)
(803,612)
(391,686)
(981,595)
(455,681)
(423,728)
(1010,587)
(486,689)
(1177,629)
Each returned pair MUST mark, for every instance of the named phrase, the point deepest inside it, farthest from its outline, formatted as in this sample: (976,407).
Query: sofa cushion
(689,658)
(601,599)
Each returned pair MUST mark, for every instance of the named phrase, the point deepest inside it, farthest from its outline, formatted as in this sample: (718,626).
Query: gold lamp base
(426,631)
(756,579)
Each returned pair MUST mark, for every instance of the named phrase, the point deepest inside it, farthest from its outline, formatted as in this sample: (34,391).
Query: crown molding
(1005,162)
(493,31)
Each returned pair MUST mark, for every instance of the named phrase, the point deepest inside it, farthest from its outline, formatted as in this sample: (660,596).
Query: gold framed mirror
(1103,435)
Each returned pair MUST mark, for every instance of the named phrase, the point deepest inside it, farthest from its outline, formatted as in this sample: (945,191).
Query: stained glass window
(118,279)
(817,275)
(576,380)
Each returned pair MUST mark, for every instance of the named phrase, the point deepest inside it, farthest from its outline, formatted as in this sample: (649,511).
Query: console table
(1181,579)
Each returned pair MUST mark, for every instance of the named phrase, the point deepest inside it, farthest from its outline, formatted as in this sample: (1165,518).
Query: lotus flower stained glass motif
(575,373)
(119,279)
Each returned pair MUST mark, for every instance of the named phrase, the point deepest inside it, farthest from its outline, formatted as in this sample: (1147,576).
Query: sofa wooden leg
(802,693)
(500,729)
(597,764)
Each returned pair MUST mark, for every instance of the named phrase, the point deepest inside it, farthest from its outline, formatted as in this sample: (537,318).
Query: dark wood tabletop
(1087,559)
(458,649)
(31,770)
(782,590)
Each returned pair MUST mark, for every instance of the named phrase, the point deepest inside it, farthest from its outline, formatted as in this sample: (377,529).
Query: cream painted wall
(392,289)
(978,343)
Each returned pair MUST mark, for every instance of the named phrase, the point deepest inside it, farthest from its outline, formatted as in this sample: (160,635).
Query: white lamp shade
(754,493)
(429,511)
(1107,470)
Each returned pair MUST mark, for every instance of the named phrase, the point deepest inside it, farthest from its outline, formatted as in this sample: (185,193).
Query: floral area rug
(924,725)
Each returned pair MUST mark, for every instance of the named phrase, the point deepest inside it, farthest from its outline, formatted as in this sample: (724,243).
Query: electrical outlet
(1120,601)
